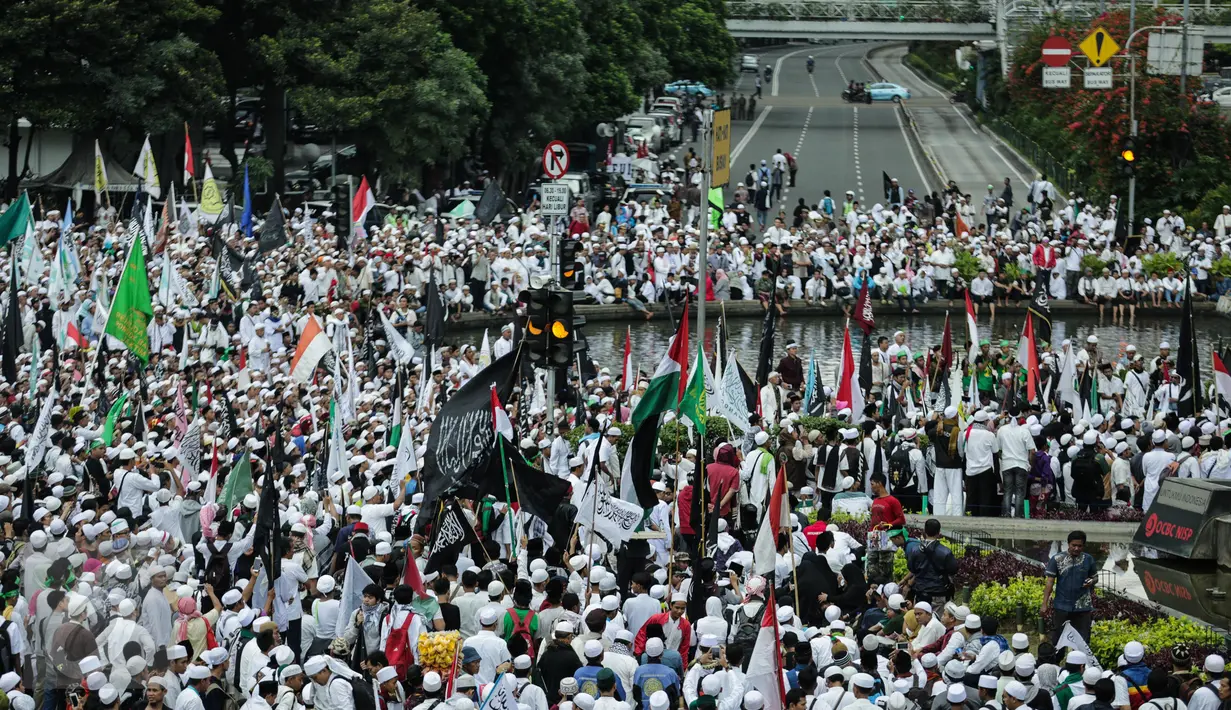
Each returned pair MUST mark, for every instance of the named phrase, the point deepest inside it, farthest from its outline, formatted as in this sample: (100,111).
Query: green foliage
(899,557)
(259,169)
(1001,601)
(826,425)
(1157,264)
(1012,272)
(673,436)
(1107,637)
(692,36)
(967,264)
(1221,267)
(1210,206)
(390,80)
(1094,263)
(575,435)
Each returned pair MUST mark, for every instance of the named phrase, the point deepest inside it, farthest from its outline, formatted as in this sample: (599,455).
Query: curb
(913,134)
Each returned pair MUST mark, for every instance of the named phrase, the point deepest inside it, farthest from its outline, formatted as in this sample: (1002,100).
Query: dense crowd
(207,527)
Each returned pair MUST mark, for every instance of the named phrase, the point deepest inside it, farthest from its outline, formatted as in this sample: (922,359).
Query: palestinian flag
(662,395)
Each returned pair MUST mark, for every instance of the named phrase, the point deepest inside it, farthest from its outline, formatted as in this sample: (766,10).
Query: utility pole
(1132,121)
(1184,58)
(553,258)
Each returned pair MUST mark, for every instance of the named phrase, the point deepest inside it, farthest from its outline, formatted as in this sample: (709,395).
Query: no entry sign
(1056,51)
(555,160)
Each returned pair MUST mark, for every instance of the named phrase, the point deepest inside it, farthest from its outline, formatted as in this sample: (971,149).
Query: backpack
(229,702)
(218,570)
(361,691)
(746,630)
(397,646)
(521,627)
(8,662)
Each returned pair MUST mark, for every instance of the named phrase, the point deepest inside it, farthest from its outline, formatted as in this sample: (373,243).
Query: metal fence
(1065,177)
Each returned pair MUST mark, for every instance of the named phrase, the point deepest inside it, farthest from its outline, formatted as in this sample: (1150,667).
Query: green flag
(238,484)
(692,406)
(716,207)
(112,415)
(131,310)
(15,219)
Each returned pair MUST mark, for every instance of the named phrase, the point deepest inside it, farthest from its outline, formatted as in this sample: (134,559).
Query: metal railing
(1065,177)
(893,11)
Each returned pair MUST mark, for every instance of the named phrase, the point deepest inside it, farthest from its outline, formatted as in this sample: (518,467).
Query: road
(842,147)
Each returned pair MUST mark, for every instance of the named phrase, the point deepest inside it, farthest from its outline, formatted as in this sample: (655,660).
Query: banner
(40,438)
(614,519)
(500,695)
(190,450)
(352,595)
(450,536)
(1069,638)
(730,402)
(401,348)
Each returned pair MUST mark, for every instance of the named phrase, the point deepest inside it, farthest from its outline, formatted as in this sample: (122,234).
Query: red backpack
(521,627)
(397,646)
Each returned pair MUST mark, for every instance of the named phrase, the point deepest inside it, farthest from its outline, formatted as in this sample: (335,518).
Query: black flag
(886,184)
(1188,364)
(12,325)
(434,328)
(463,439)
(766,356)
(267,531)
(537,492)
(452,533)
(273,230)
(865,366)
(1040,308)
(490,203)
(815,406)
(752,396)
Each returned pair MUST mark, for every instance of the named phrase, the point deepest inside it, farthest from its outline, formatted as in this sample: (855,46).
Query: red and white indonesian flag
(1222,379)
(500,418)
(972,330)
(765,551)
(765,665)
(313,345)
(365,200)
(626,376)
(849,392)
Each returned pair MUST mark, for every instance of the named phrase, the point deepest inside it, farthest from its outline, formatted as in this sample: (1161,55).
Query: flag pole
(508,499)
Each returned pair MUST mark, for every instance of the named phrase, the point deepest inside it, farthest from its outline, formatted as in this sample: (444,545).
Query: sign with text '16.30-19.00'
(555,198)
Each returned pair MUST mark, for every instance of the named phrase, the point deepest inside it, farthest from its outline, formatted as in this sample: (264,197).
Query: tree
(95,65)
(387,78)
(621,62)
(692,36)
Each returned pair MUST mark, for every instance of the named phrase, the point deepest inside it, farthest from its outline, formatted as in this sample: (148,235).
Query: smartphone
(902,646)
(74,700)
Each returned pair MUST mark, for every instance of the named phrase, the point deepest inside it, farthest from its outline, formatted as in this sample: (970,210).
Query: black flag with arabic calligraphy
(451,534)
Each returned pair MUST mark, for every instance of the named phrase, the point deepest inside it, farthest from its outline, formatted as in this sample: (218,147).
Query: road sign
(1056,77)
(555,198)
(722,148)
(555,160)
(1056,51)
(1099,47)
(1098,78)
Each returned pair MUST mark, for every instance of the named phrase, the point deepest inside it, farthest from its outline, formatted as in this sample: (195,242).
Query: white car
(1222,97)
(749,62)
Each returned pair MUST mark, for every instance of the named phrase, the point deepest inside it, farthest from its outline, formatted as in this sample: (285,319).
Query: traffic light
(341,209)
(1128,156)
(537,323)
(560,334)
(568,263)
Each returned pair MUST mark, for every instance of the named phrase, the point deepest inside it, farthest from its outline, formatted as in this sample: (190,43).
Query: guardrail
(1065,177)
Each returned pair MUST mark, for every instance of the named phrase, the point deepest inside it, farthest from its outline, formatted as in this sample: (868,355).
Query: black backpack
(361,691)
(8,661)
(746,630)
(218,570)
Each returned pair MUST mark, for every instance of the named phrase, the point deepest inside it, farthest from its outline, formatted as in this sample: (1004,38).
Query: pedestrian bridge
(966,20)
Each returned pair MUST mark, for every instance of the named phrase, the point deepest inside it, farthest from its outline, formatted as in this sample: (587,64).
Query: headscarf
(725,454)
(188,611)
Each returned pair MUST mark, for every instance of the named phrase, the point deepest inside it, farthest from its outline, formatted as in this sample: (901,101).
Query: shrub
(1157,264)
(1095,264)
(1000,601)
(967,264)
(1108,637)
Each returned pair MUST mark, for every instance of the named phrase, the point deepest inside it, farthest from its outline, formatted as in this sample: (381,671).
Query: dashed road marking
(799,146)
(855,148)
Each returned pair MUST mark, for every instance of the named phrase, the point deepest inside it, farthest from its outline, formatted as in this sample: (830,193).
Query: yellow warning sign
(722,148)
(1099,47)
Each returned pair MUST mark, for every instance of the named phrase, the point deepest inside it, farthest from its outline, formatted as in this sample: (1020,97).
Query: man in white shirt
(979,446)
(1156,463)
(641,606)
(329,690)
(190,698)
(1016,457)
(131,484)
(492,650)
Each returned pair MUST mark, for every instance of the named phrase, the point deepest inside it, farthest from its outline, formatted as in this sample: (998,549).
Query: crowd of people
(143,495)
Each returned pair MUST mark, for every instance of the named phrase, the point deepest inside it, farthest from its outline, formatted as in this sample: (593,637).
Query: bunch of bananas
(438,649)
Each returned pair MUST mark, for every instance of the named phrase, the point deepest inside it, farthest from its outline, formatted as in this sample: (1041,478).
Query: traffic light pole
(1132,106)
(707,148)
(553,257)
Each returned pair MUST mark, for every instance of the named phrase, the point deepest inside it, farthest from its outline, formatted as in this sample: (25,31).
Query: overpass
(999,21)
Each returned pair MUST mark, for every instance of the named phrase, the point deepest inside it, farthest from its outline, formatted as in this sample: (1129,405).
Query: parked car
(1222,97)
(668,103)
(884,91)
(647,191)
(691,88)
(749,62)
(648,128)
(671,125)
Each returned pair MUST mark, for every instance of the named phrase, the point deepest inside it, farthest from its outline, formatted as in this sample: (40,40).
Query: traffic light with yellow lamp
(568,262)
(560,315)
(1127,157)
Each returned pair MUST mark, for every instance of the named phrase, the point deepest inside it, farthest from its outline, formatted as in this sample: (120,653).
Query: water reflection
(823,336)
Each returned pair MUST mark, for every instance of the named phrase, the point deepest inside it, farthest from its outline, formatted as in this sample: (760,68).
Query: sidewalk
(954,144)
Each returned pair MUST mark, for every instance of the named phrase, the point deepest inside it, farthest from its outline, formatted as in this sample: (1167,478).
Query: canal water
(822,336)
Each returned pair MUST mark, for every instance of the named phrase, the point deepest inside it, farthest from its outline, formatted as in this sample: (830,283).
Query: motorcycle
(811,65)
(769,74)
(857,97)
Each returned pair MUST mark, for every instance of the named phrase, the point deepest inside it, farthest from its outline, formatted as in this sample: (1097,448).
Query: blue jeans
(762,218)
(1172,296)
